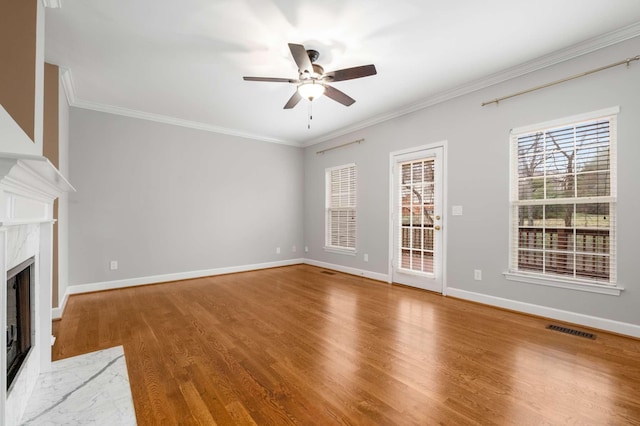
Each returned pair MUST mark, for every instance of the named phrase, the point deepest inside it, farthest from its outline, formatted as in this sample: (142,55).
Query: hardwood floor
(295,345)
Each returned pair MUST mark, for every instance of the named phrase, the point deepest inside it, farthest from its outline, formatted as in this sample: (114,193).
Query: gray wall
(164,199)
(478,179)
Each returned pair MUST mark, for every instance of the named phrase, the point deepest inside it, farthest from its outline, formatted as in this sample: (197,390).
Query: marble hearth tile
(90,389)
(22,243)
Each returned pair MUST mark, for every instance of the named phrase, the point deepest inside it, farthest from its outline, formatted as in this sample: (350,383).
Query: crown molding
(67,85)
(74,101)
(559,56)
(562,55)
(158,118)
(52,4)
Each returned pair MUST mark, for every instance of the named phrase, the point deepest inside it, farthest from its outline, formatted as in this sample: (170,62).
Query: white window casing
(340,209)
(563,203)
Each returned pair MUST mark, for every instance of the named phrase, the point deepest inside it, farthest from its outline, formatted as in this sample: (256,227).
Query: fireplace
(29,185)
(19,325)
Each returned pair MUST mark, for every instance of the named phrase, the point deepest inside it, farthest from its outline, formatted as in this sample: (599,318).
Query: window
(563,200)
(417,193)
(341,209)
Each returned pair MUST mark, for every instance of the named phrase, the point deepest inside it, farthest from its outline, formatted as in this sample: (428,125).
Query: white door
(417,218)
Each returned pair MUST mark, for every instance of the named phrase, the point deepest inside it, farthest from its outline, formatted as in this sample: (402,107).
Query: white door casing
(417,217)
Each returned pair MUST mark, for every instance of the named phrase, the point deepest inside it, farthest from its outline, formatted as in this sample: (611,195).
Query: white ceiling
(183,61)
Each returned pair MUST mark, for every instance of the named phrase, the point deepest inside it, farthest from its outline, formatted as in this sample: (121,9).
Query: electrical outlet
(477,274)
(113,265)
(294,249)
(366,257)
(306,249)
(277,250)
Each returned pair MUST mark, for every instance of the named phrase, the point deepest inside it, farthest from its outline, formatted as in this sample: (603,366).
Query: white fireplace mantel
(29,185)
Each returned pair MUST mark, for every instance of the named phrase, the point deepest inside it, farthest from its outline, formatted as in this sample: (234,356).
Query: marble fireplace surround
(28,186)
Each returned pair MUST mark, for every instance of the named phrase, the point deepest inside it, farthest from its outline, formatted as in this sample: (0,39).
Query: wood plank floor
(295,345)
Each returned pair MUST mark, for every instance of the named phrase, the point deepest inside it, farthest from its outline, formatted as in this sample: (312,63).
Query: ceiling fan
(312,80)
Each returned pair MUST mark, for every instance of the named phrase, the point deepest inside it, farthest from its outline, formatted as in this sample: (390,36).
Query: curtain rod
(340,146)
(626,61)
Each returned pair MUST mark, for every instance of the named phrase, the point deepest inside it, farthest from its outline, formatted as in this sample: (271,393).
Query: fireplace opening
(19,284)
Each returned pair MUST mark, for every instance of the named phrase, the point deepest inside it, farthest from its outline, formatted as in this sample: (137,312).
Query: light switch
(456,210)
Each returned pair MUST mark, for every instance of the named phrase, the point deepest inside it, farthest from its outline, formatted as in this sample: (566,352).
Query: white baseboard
(56,313)
(348,270)
(544,311)
(154,279)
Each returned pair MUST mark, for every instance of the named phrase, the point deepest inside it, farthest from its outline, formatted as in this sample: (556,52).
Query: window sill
(563,283)
(338,250)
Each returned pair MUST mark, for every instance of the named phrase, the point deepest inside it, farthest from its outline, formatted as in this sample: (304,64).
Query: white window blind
(563,201)
(341,208)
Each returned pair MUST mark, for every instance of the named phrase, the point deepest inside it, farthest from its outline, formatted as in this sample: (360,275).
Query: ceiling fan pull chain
(310,115)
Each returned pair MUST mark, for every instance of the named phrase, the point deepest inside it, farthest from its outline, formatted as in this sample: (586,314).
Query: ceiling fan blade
(351,73)
(273,80)
(301,57)
(338,96)
(293,101)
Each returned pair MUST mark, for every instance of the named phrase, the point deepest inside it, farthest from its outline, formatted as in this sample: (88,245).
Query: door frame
(445,209)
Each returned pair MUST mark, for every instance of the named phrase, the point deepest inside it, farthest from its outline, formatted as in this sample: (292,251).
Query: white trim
(554,201)
(572,120)
(328,209)
(445,214)
(165,119)
(67,85)
(74,101)
(155,279)
(605,324)
(56,313)
(348,270)
(342,166)
(572,317)
(414,149)
(52,4)
(580,49)
(393,159)
(340,250)
(6,223)
(541,277)
(552,281)
(33,176)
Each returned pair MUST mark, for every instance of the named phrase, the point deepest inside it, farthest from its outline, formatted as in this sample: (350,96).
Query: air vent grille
(571,331)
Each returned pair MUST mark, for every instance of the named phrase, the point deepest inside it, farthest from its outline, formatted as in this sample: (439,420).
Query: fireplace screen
(18,316)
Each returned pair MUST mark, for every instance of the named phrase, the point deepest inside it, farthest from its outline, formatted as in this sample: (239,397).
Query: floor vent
(328,273)
(572,331)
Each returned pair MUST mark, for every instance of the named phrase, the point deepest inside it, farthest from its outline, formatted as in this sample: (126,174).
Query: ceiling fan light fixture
(311,89)
(313,82)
